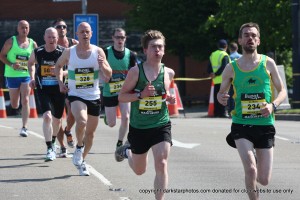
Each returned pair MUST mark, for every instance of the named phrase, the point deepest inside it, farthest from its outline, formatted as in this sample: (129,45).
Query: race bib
(150,105)
(115,87)
(84,78)
(251,105)
(23,61)
(47,70)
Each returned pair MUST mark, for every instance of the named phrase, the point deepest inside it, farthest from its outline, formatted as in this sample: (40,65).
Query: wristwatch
(274,106)
(139,95)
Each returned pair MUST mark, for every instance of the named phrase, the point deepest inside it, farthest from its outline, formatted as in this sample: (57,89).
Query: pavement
(201,165)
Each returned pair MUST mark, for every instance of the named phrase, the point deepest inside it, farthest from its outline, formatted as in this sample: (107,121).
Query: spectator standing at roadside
(233,49)
(217,62)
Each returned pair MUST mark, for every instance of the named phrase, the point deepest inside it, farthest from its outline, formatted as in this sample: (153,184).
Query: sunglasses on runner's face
(61,26)
(120,37)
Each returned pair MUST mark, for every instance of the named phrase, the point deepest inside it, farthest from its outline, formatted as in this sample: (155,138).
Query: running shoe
(77,157)
(23,132)
(83,170)
(63,152)
(120,153)
(50,155)
(54,146)
(70,140)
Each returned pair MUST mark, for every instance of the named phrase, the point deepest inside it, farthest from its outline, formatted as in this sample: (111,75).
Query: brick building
(112,13)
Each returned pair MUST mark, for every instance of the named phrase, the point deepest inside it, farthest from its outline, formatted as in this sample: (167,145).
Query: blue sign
(92,19)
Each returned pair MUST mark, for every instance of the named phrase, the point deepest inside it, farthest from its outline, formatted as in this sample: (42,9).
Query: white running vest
(83,75)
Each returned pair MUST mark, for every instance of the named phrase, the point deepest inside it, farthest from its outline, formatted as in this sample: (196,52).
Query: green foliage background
(192,27)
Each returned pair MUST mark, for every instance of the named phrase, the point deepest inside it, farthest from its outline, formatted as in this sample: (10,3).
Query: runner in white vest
(86,62)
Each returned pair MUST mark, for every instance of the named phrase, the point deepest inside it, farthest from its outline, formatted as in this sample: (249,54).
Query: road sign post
(93,20)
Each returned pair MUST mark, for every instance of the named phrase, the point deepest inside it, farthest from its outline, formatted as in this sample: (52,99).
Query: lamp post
(296,52)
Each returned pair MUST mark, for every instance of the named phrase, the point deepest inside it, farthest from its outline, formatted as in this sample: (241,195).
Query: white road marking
(99,176)
(281,138)
(184,145)
(36,135)
(92,170)
(6,127)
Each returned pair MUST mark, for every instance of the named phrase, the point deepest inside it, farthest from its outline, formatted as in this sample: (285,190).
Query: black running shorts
(262,136)
(93,106)
(110,101)
(141,140)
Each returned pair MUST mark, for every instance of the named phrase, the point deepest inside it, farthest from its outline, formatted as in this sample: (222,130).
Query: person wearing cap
(217,62)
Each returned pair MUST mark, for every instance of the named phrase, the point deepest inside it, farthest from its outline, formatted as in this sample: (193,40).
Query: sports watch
(139,95)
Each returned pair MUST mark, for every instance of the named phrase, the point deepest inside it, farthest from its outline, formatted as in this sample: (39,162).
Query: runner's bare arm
(225,85)
(3,54)
(58,70)
(104,65)
(126,94)
(31,65)
(277,81)
(31,69)
(168,79)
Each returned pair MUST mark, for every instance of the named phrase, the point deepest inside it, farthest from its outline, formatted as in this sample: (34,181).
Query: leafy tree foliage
(182,23)
(273,17)
(192,27)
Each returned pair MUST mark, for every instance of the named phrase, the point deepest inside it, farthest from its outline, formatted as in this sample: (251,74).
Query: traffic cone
(32,105)
(173,109)
(118,112)
(211,106)
(178,98)
(2,105)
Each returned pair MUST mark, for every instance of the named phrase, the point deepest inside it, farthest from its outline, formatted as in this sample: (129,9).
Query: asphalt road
(201,165)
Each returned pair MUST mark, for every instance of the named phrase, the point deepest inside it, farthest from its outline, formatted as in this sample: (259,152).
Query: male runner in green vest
(147,88)
(120,59)
(15,54)
(252,127)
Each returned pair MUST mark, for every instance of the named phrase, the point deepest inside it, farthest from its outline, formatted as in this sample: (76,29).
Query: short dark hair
(151,35)
(118,30)
(249,25)
(57,20)
(233,46)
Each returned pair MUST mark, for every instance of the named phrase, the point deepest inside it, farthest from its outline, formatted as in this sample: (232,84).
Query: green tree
(182,23)
(273,17)
(193,27)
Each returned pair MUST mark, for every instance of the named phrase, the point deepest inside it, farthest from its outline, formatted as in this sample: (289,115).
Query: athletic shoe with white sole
(77,157)
(50,155)
(83,170)
(120,153)
(23,132)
